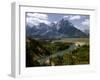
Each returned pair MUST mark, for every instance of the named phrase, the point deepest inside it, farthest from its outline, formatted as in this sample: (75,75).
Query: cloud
(86,22)
(55,22)
(38,15)
(77,17)
(65,16)
(36,18)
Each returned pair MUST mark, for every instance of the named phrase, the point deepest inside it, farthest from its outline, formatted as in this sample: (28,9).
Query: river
(59,53)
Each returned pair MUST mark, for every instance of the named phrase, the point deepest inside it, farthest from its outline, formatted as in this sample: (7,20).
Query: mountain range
(60,29)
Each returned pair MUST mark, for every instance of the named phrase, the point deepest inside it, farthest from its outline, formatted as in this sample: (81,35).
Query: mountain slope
(69,30)
(62,28)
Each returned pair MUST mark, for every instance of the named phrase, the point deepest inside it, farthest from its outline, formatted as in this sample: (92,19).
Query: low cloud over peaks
(36,18)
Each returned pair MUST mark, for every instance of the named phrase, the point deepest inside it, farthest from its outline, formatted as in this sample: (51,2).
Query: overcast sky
(79,21)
